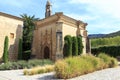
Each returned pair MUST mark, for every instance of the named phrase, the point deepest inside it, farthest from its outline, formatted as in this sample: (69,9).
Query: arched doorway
(46,52)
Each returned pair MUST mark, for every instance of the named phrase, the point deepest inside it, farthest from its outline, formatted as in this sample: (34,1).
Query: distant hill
(91,36)
(96,35)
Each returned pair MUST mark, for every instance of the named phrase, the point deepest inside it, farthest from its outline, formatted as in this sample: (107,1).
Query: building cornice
(10,16)
(60,17)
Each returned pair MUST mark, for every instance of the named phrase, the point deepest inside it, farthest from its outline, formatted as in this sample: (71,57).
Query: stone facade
(10,26)
(48,40)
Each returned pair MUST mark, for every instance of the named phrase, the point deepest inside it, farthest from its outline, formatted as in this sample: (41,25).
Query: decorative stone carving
(85,33)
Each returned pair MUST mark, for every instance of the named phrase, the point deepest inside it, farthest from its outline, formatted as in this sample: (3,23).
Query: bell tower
(48,9)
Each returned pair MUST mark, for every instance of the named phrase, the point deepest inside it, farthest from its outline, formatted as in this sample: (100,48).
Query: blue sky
(102,16)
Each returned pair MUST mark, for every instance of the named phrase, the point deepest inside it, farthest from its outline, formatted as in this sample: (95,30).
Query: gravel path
(18,75)
(106,74)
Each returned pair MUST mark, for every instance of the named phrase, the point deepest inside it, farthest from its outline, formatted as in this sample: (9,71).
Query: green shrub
(76,66)
(24,64)
(60,69)
(39,70)
(110,50)
(114,62)
(6,66)
(47,61)
(20,50)
(5,53)
(35,62)
(110,62)
(96,62)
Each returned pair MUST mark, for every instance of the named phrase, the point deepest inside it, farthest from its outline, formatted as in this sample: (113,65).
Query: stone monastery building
(48,40)
(49,33)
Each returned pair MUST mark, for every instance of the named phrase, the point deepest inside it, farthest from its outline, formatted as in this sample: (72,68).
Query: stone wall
(72,30)
(44,36)
(13,29)
(51,31)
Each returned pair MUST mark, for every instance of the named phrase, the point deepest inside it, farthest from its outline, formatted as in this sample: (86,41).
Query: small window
(12,35)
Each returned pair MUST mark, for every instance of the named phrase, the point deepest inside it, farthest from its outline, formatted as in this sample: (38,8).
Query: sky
(102,16)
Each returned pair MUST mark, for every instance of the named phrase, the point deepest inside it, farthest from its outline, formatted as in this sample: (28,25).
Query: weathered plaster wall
(10,26)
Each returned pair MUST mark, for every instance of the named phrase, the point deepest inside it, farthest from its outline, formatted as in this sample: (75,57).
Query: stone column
(59,46)
(84,39)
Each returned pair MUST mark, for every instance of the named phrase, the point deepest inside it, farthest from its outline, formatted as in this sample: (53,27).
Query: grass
(76,66)
(39,70)
(109,61)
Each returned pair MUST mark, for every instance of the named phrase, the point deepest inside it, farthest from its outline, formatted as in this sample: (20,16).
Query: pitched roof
(59,15)
(11,16)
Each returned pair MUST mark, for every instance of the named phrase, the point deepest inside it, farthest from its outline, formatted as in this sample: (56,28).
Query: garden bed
(77,66)
(24,64)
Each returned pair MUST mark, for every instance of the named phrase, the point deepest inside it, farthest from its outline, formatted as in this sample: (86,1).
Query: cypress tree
(80,45)
(74,46)
(5,53)
(20,49)
(68,45)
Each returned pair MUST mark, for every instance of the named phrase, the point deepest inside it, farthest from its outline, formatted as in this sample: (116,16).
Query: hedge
(113,51)
(73,46)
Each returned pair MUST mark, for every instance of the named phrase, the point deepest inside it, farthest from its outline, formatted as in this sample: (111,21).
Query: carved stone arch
(46,51)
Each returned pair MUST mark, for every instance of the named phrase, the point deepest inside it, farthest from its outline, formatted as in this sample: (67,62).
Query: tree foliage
(74,46)
(20,49)
(5,53)
(28,29)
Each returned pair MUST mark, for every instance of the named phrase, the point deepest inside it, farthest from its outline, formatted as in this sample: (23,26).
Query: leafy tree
(20,49)
(74,46)
(5,53)
(68,45)
(28,29)
(80,45)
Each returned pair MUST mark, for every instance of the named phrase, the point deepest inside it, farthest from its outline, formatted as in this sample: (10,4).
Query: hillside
(112,34)
(91,36)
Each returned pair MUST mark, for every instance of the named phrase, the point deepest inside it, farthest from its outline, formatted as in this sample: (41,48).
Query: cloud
(109,7)
(82,17)
(103,15)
